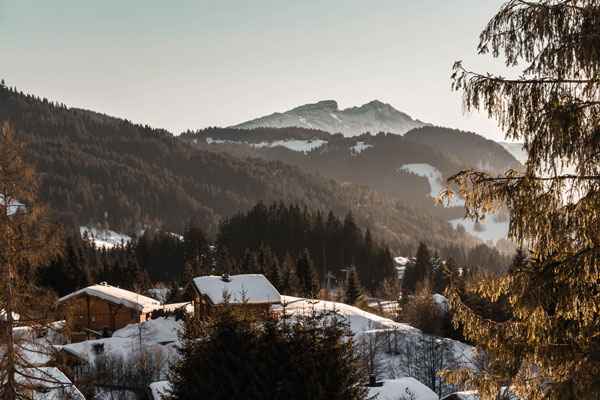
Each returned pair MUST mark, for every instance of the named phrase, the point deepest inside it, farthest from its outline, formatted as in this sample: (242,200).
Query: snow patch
(359,147)
(394,389)
(434,176)
(487,230)
(160,389)
(104,238)
(303,146)
(12,207)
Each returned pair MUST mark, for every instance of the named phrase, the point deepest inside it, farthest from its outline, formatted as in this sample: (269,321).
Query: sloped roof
(245,288)
(117,296)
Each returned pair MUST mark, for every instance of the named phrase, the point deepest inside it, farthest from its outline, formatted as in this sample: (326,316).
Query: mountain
(377,161)
(325,115)
(96,168)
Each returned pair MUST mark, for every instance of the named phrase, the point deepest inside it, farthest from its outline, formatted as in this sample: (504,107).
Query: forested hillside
(95,168)
(375,161)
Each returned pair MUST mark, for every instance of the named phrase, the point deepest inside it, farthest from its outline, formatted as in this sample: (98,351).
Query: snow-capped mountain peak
(374,116)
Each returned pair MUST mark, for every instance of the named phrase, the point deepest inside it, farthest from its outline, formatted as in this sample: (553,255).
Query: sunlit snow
(104,238)
(359,147)
(487,230)
(304,146)
(435,179)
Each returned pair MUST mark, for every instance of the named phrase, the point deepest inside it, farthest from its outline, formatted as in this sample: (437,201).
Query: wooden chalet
(101,309)
(252,292)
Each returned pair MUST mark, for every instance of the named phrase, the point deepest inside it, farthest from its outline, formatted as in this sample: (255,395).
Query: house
(253,292)
(99,310)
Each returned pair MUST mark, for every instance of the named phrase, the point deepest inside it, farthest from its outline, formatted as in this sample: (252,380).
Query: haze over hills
(325,115)
(99,169)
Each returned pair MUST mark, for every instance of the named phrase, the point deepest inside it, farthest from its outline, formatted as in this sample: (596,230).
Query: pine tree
(549,348)
(26,241)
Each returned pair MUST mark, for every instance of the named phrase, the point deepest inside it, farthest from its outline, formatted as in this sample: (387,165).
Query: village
(107,330)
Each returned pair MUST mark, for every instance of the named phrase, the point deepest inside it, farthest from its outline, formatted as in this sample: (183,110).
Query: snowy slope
(104,237)
(302,146)
(359,147)
(487,230)
(359,320)
(403,388)
(373,117)
(435,179)
(159,389)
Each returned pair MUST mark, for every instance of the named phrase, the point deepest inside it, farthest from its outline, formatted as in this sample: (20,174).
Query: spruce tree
(352,292)
(550,346)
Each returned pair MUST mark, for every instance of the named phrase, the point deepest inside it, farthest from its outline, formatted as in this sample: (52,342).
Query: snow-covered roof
(117,296)
(248,288)
(153,331)
(394,389)
(159,389)
(53,384)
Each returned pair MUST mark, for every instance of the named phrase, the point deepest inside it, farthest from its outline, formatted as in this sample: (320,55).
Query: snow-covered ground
(12,207)
(104,237)
(360,321)
(304,146)
(160,389)
(487,230)
(160,337)
(435,179)
(359,147)
(402,388)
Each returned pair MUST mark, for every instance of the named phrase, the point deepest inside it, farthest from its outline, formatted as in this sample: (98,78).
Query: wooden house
(99,310)
(252,292)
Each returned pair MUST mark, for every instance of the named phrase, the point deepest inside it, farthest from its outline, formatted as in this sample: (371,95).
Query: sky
(184,64)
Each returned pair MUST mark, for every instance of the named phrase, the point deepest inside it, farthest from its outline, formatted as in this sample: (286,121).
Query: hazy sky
(191,64)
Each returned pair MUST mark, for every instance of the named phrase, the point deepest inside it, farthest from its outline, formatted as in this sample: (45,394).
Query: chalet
(99,310)
(253,292)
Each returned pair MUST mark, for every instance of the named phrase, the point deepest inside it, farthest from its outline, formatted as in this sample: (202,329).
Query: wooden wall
(97,314)
(204,308)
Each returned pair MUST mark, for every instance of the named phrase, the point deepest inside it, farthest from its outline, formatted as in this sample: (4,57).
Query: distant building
(253,292)
(99,310)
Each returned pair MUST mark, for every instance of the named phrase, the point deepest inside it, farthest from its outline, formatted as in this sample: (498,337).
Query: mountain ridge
(374,116)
